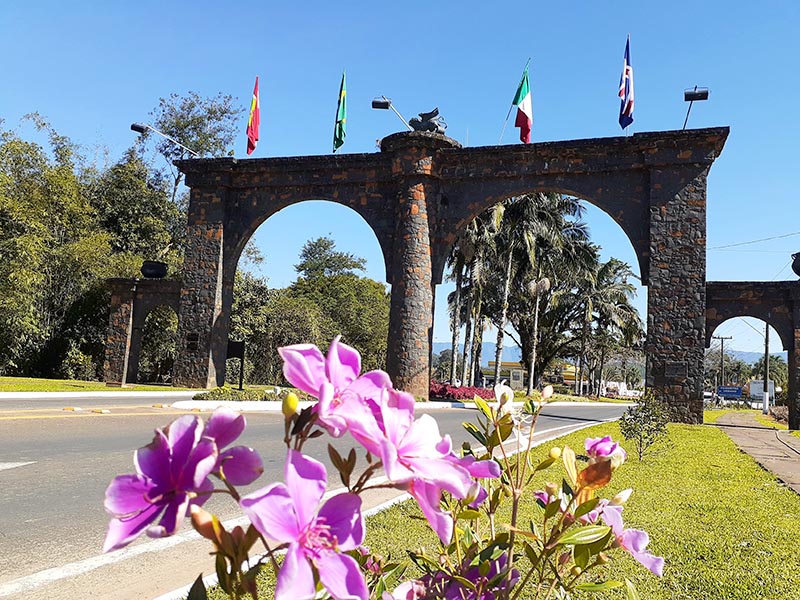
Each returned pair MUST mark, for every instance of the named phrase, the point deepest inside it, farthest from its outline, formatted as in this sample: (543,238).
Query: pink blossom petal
(371,384)
(183,435)
(271,511)
(330,412)
(241,465)
(635,541)
(171,519)
(342,365)
(341,576)
(153,460)
(295,579)
(126,495)
(342,514)
(429,499)
(122,532)
(306,480)
(303,367)
(194,469)
(612,516)
(224,426)
(441,472)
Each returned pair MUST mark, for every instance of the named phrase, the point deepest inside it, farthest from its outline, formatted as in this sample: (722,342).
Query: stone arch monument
(420,192)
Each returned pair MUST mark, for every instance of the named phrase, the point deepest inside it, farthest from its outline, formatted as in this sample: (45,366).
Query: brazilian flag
(339,130)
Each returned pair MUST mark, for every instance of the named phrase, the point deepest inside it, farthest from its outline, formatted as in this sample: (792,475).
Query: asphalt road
(55,466)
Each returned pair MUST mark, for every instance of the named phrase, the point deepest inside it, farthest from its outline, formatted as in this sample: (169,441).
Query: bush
(259,395)
(645,423)
(444,391)
(77,365)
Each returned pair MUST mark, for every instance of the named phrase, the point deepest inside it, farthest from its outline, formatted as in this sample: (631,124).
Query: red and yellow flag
(254,121)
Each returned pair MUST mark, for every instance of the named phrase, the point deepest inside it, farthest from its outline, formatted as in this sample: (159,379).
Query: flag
(339,131)
(522,100)
(626,89)
(254,121)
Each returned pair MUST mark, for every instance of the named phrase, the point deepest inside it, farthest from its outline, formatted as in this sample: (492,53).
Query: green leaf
(546,463)
(586,507)
(222,574)
(584,535)
(598,587)
(469,514)
(599,545)
(631,590)
(552,508)
(581,555)
(473,430)
(483,407)
(198,590)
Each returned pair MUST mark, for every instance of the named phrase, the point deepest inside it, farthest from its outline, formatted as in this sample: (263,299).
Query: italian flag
(522,101)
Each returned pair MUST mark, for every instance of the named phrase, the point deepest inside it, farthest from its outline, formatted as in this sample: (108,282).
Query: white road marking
(14,465)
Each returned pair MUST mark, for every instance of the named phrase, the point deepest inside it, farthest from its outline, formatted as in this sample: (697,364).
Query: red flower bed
(444,391)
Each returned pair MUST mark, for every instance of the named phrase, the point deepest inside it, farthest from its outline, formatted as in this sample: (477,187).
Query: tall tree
(319,258)
(208,126)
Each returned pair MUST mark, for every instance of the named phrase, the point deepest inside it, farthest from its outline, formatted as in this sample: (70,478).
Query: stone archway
(777,303)
(420,191)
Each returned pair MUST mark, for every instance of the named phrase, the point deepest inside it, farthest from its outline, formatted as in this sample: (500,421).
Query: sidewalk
(775,450)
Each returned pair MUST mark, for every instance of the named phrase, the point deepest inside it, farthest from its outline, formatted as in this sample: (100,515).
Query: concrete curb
(95,395)
(275,406)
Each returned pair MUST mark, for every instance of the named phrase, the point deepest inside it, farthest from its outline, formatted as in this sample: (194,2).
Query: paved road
(55,466)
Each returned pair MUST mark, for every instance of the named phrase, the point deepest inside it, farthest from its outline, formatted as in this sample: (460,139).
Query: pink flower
(605,448)
(170,473)
(335,381)
(240,465)
(288,513)
(633,540)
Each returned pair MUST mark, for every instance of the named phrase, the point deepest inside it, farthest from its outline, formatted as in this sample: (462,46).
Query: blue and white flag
(626,89)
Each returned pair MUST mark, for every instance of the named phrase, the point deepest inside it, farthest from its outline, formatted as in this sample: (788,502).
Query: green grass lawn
(726,528)
(30,384)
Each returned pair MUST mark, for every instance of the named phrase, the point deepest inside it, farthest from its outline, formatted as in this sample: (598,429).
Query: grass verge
(30,384)
(726,528)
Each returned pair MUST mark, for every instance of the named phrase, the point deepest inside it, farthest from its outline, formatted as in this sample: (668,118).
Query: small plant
(645,423)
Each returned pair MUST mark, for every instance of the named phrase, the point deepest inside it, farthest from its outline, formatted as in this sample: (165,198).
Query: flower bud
(202,522)
(551,489)
(547,392)
(621,498)
(472,493)
(576,570)
(555,453)
(290,404)
(563,558)
(602,558)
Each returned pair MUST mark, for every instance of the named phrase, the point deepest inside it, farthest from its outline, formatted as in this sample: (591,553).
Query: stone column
(411,304)
(676,290)
(198,361)
(793,393)
(118,336)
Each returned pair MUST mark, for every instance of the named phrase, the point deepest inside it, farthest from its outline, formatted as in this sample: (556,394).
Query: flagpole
(510,108)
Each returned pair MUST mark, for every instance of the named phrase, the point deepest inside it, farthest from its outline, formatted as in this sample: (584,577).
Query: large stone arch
(417,194)
(777,303)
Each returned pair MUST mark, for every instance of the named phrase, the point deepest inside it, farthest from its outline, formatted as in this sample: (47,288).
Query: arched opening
(606,350)
(311,271)
(735,359)
(158,349)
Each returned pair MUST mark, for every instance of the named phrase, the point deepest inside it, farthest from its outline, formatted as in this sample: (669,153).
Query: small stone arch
(777,303)
(131,301)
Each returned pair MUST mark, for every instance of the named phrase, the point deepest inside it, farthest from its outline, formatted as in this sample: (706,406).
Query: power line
(777,237)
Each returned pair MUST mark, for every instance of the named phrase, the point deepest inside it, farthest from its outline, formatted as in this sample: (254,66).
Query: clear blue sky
(92,68)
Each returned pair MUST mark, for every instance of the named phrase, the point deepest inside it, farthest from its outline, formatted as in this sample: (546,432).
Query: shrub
(444,391)
(77,365)
(645,423)
(258,395)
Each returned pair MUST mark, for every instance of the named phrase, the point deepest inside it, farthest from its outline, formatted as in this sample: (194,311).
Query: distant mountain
(487,351)
(752,358)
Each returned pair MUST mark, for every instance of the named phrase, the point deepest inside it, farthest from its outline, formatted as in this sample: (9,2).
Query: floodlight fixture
(384,103)
(691,96)
(141,129)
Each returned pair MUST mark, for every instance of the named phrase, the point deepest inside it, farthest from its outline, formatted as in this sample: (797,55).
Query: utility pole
(722,357)
(765,408)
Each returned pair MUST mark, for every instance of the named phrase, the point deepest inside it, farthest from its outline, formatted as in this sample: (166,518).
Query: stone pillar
(411,304)
(198,361)
(676,290)
(793,393)
(118,336)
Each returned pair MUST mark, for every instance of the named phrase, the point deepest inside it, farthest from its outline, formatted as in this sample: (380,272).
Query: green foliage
(272,394)
(158,351)
(318,258)
(645,423)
